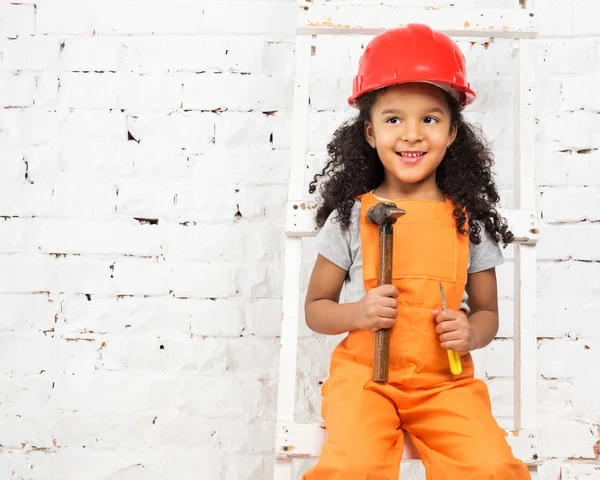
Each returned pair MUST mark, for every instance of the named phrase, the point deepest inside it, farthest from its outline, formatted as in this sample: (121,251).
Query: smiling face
(410,127)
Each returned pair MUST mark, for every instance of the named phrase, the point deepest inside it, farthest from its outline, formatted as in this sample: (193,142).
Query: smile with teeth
(411,154)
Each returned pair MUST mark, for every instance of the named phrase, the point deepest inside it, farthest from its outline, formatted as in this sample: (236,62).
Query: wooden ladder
(296,440)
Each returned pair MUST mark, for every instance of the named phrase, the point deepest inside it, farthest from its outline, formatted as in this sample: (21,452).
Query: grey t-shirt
(343,248)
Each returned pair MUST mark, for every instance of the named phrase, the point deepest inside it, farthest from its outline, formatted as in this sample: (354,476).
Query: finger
(447,326)
(389,302)
(384,322)
(450,337)
(388,291)
(456,345)
(387,312)
(436,312)
(447,315)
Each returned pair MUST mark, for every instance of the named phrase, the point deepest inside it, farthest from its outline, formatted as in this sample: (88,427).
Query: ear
(452,134)
(369,133)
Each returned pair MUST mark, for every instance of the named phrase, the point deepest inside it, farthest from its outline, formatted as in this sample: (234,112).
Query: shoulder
(336,243)
(486,254)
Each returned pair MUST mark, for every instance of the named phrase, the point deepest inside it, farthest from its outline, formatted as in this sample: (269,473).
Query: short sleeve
(334,243)
(485,255)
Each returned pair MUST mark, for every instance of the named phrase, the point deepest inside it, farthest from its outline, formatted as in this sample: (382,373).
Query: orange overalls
(448,417)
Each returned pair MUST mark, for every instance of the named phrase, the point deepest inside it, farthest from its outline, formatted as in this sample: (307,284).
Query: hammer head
(384,213)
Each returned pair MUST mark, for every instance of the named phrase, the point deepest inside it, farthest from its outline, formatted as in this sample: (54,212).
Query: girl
(409,145)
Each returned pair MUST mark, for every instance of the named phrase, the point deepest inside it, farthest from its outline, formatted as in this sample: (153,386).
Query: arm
(324,314)
(462,334)
(483,302)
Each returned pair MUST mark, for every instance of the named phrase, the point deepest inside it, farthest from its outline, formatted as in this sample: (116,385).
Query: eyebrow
(430,110)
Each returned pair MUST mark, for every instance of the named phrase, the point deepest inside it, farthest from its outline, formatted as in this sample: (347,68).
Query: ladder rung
(372,19)
(304,440)
(300,222)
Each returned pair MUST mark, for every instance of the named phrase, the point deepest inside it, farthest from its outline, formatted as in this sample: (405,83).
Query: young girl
(411,146)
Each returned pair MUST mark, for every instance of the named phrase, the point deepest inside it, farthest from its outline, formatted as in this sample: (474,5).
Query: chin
(412,178)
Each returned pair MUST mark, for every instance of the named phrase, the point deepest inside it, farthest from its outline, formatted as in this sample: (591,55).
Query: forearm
(484,324)
(330,318)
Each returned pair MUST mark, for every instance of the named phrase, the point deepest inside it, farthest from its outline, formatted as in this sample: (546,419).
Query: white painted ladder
(294,440)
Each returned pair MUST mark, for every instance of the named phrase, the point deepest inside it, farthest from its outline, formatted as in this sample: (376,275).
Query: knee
(366,470)
(335,463)
(498,467)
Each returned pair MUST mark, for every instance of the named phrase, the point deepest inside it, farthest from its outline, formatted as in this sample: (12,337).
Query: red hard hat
(414,53)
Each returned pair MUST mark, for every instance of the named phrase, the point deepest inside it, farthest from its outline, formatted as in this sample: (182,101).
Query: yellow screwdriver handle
(455,365)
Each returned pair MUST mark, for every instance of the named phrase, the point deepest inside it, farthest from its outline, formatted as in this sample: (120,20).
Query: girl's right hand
(377,309)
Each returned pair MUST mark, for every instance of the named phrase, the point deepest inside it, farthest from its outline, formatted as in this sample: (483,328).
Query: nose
(411,133)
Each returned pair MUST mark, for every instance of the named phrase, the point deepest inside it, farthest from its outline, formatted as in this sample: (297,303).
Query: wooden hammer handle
(381,360)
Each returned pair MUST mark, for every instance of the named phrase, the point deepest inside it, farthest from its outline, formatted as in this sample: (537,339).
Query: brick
(583,12)
(582,204)
(31,53)
(24,392)
(251,394)
(185,53)
(145,199)
(187,132)
(561,358)
(27,312)
(580,445)
(14,165)
(560,58)
(103,90)
(17,20)
(202,280)
(578,472)
(578,93)
(569,242)
(136,393)
(206,205)
(217,318)
(264,317)
(19,235)
(133,314)
(495,360)
(94,53)
(16,89)
(237,130)
(27,273)
(84,201)
(35,199)
(97,237)
(168,355)
(557,21)
(256,280)
(236,92)
(48,354)
(251,354)
(106,162)
(109,126)
(272,17)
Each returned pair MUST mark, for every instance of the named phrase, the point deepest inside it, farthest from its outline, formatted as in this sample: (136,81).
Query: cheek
(440,137)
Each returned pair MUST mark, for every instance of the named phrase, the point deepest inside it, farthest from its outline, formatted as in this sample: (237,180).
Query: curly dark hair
(464,175)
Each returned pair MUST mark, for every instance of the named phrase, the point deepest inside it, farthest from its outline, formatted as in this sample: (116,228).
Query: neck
(399,190)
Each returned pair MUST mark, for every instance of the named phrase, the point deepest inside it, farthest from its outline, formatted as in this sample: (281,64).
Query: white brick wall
(145,154)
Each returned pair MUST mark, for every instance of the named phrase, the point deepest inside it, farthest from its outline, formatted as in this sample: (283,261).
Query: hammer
(384,215)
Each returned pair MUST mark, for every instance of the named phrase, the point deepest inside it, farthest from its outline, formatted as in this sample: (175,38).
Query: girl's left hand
(454,330)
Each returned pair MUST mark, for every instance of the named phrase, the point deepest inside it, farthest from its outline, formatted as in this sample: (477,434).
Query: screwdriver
(454,359)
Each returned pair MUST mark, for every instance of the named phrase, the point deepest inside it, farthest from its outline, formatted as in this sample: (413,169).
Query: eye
(393,120)
(430,120)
